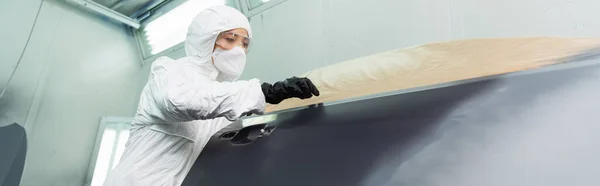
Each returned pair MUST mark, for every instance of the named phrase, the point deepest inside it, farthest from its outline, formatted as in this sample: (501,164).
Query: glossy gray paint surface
(540,129)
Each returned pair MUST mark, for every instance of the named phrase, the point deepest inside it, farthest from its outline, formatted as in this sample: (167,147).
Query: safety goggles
(229,40)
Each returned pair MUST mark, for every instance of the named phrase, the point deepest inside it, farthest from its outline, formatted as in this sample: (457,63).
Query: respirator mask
(230,63)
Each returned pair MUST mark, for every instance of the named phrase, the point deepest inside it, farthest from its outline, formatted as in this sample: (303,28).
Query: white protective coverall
(182,105)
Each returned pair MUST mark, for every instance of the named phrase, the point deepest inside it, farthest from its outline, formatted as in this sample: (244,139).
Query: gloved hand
(293,87)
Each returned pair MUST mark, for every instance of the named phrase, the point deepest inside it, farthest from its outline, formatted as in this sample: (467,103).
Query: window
(170,28)
(256,3)
(112,135)
(255,7)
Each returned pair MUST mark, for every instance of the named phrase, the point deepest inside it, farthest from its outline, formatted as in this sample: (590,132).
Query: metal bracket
(95,7)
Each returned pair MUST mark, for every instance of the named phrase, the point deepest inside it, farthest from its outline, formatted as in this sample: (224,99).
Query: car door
(538,127)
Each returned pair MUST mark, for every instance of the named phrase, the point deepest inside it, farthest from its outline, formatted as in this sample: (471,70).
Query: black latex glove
(293,87)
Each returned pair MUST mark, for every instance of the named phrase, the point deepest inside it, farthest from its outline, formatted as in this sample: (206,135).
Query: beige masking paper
(436,63)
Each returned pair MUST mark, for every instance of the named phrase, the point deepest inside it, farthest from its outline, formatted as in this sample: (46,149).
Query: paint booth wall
(299,35)
(76,68)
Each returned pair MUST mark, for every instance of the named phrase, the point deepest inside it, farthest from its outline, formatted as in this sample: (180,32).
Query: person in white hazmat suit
(187,100)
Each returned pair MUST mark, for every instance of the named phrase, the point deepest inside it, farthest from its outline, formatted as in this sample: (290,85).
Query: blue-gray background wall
(299,35)
(75,69)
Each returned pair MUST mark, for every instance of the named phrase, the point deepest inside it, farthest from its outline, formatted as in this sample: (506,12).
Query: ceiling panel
(129,7)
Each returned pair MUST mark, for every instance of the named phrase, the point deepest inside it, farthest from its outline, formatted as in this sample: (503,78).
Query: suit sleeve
(183,97)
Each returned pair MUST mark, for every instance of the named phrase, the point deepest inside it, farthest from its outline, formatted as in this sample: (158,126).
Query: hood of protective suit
(205,29)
